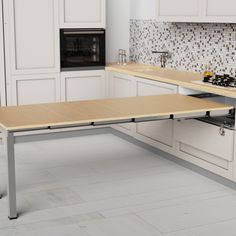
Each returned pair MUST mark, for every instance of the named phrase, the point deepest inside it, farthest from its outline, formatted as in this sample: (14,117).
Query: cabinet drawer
(205,138)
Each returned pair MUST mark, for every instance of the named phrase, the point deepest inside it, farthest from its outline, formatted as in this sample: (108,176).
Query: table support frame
(13,137)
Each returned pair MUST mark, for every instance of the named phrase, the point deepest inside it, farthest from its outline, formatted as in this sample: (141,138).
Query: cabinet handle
(222,131)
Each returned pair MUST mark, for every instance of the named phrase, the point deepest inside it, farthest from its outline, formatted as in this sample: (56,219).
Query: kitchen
(161,172)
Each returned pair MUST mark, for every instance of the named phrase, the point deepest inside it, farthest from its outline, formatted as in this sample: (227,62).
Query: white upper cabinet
(220,11)
(32,36)
(196,10)
(179,8)
(82,14)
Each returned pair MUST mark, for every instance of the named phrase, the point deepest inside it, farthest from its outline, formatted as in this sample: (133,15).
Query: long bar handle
(83,32)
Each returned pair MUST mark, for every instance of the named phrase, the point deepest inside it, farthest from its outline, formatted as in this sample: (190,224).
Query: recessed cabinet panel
(179,7)
(159,131)
(35,90)
(83,85)
(123,86)
(221,8)
(206,11)
(82,14)
(82,11)
(149,88)
(34,36)
(205,138)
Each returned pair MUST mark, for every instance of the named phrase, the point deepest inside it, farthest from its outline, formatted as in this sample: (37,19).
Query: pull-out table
(68,115)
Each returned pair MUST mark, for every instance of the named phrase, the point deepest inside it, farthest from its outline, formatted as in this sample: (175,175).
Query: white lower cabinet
(120,86)
(83,85)
(204,145)
(157,133)
(34,89)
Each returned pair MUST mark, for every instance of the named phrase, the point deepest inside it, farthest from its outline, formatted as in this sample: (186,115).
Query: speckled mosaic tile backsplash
(192,46)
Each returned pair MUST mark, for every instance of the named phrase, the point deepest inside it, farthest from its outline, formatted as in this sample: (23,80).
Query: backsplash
(191,45)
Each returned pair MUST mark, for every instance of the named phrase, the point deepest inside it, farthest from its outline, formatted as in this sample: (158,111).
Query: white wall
(117,30)
(2,65)
(143,9)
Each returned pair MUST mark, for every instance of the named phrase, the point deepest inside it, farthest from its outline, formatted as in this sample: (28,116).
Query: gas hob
(225,81)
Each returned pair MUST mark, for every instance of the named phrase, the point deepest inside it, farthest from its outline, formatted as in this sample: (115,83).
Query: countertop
(181,78)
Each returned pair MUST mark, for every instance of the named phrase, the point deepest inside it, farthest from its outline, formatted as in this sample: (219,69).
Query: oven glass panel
(82,48)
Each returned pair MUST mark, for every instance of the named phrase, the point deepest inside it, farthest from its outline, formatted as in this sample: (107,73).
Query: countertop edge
(188,85)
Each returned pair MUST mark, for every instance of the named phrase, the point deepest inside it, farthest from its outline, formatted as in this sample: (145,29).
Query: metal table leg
(11,178)
(1,138)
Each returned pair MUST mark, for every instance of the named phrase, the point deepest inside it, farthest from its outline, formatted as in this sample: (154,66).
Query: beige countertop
(181,78)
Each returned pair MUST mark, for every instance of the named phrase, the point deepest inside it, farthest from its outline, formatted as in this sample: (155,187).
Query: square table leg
(1,143)
(11,177)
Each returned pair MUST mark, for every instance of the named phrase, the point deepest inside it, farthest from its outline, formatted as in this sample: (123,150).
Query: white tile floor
(102,185)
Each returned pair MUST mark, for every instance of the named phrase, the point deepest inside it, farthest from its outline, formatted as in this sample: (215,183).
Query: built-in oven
(82,49)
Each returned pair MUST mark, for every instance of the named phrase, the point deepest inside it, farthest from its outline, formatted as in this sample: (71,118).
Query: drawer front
(205,138)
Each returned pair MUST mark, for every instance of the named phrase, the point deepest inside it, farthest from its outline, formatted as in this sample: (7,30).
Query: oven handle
(83,32)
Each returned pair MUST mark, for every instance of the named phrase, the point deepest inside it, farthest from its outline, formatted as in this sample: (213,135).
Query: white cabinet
(83,85)
(32,36)
(121,85)
(204,145)
(35,89)
(220,11)
(82,14)
(196,10)
(157,133)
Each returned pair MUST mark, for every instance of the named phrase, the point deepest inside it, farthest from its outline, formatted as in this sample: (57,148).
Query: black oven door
(82,49)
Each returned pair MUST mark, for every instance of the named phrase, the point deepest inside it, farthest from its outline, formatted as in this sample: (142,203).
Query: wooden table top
(76,113)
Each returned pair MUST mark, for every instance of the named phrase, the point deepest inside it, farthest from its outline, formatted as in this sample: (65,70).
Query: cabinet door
(82,14)
(220,11)
(179,10)
(83,85)
(158,133)
(122,86)
(205,145)
(32,36)
(35,89)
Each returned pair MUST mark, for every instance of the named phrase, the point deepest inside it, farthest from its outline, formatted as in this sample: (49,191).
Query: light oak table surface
(106,110)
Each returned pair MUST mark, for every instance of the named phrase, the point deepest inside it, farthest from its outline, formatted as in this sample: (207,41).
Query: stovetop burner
(221,80)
